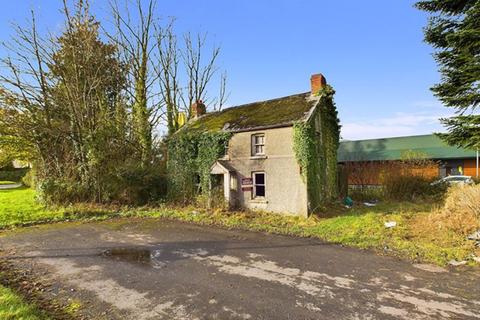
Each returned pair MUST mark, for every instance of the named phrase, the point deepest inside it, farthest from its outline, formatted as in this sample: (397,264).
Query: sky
(372,53)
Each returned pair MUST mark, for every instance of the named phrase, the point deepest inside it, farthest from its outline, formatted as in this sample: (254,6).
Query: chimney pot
(317,82)
(198,109)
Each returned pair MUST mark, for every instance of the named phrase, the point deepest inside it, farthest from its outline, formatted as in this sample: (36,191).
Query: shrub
(411,179)
(13,174)
(52,191)
(461,212)
(139,185)
(218,200)
(366,193)
(412,187)
(190,159)
(132,184)
(29,179)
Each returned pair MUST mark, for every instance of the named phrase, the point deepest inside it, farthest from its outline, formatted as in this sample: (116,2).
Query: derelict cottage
(279,155)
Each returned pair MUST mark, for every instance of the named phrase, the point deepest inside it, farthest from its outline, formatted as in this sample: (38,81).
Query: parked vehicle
(455,180)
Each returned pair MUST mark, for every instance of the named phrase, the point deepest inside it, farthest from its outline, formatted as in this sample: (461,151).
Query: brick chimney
(317,82)
(198,109)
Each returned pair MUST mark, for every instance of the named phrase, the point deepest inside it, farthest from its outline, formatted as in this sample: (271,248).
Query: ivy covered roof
(258,115)
(393,148)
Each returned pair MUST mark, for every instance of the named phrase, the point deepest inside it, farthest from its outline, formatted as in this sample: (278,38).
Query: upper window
(258,144)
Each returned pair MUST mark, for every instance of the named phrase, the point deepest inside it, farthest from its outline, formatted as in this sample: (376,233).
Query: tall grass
(461,212)
(12,306)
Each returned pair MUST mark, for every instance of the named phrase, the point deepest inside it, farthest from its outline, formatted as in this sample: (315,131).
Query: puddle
(142,256)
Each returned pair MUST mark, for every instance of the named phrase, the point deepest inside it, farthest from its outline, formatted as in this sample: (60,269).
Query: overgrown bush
(404,187)
(364,174)
(13,174)
(476,180)
(53,191)
(86,126)
(132,184)
(190,159)
(366,193)
(139,185)
(461,212)
(29,179)
(316,154)
(411,178)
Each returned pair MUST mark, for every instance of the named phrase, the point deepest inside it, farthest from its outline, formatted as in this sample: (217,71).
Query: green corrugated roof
(392,149)
(276,112)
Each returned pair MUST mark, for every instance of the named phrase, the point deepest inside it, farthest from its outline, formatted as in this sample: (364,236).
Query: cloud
(399,124)
(428,104)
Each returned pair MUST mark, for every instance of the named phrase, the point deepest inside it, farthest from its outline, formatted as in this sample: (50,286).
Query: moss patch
(279,111)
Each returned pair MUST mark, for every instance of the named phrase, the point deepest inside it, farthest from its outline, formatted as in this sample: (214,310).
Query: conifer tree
(454,32)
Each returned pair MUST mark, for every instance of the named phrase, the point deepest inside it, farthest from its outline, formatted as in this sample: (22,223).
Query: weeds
(419,234)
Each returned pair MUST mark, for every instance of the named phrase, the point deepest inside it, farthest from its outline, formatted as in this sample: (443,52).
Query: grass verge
(22,297)
(18,207)
(13,307)
(361,227)
(5,182)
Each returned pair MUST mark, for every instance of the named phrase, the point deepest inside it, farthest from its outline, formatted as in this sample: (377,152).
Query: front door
(217,192)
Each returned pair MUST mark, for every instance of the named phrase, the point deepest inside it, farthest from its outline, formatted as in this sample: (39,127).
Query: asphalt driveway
(151,269)
(10,186)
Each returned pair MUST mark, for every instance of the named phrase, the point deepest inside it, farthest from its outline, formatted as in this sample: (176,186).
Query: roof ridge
(271,113)
(259,101)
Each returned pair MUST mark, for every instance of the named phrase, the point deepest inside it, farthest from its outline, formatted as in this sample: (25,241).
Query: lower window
(259,184)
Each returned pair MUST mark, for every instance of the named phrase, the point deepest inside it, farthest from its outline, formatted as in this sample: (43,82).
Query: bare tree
(185,74)
(199,72)
(25,96)
(223,95)
(137,42)
(168,74)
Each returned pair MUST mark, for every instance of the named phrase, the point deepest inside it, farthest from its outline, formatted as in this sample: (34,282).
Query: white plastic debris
(456,263)
(474,236)
(476,259)
(369,204)
(390,224)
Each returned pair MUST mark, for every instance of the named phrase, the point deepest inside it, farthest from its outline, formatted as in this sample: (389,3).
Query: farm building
(379,153)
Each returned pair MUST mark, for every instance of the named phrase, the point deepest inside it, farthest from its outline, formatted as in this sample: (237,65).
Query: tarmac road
(156,269)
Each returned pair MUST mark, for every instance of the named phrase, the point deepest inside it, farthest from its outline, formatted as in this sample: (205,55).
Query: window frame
(255,184)
(254,144)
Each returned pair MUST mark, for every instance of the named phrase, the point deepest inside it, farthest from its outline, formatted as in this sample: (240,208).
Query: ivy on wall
(315,144)
(190,158)
(303,146)
(330,125)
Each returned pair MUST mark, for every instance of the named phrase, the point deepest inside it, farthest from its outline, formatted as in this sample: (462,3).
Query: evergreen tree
(88,84)
(454,31)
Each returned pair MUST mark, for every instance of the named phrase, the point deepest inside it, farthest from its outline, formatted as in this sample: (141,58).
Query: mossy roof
(263,114)
(393,148)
